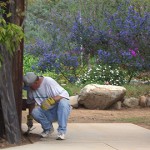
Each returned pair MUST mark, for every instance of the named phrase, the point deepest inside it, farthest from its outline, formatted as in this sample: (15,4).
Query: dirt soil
(139,116)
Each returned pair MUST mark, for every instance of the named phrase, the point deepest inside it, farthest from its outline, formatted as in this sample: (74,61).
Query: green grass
(132,90)
(135,120)
(136,90)
(73,89)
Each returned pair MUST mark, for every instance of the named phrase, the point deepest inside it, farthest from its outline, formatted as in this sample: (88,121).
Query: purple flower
(133,52)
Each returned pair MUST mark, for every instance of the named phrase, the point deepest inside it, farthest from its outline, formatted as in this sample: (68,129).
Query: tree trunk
(11,81)
(2,126)
(7,98)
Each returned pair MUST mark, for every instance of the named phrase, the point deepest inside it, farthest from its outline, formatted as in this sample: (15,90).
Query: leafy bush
(28,62)
(103,74)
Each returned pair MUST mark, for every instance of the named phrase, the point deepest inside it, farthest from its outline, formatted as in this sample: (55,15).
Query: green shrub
(103,74)
(28,62)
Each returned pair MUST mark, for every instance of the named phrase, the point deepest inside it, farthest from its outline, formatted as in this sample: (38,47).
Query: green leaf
(8,15)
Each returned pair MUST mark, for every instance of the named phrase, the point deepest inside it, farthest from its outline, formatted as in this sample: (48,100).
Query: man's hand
(29,121)
(47,103)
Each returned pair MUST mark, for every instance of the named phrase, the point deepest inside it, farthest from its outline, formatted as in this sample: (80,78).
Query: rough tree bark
(12,128)
(2,126)
(11,81)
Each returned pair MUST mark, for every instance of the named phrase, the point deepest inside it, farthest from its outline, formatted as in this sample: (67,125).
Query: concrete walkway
(94,136)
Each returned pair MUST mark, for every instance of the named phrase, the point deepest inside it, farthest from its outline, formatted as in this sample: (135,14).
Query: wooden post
(17,73)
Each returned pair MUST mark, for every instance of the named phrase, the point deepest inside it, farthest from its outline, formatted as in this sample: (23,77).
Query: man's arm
(31,107)
(57,98)
(29,116)
(46,104)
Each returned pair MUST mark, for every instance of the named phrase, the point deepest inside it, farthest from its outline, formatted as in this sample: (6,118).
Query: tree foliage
(10,34)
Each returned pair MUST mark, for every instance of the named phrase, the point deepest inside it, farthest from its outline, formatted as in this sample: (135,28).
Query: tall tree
(11,71)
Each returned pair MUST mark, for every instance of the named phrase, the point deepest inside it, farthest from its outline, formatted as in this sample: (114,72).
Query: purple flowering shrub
(129,38)
(129,61)
(87,35)
(129,32)
(122,58)
(51,58)
(122,41)
(65,64)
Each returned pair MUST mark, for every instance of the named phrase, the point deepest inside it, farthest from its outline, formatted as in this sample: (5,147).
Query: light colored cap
(29,78)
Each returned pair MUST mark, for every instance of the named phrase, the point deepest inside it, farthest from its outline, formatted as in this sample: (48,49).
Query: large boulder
(95,96)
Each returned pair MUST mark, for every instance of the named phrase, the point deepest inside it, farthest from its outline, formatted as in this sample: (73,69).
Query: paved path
(94,136)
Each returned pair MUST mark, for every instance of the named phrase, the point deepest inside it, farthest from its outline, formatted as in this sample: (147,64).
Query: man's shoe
(46,133)
(60,136)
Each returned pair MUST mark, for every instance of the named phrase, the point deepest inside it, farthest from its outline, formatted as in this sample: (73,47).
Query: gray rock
(148,101)
(117,105)
(74,101)
(143,101)
(95,96)
(131,102)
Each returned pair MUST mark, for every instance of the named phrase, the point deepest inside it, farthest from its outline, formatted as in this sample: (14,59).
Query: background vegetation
(79,42)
